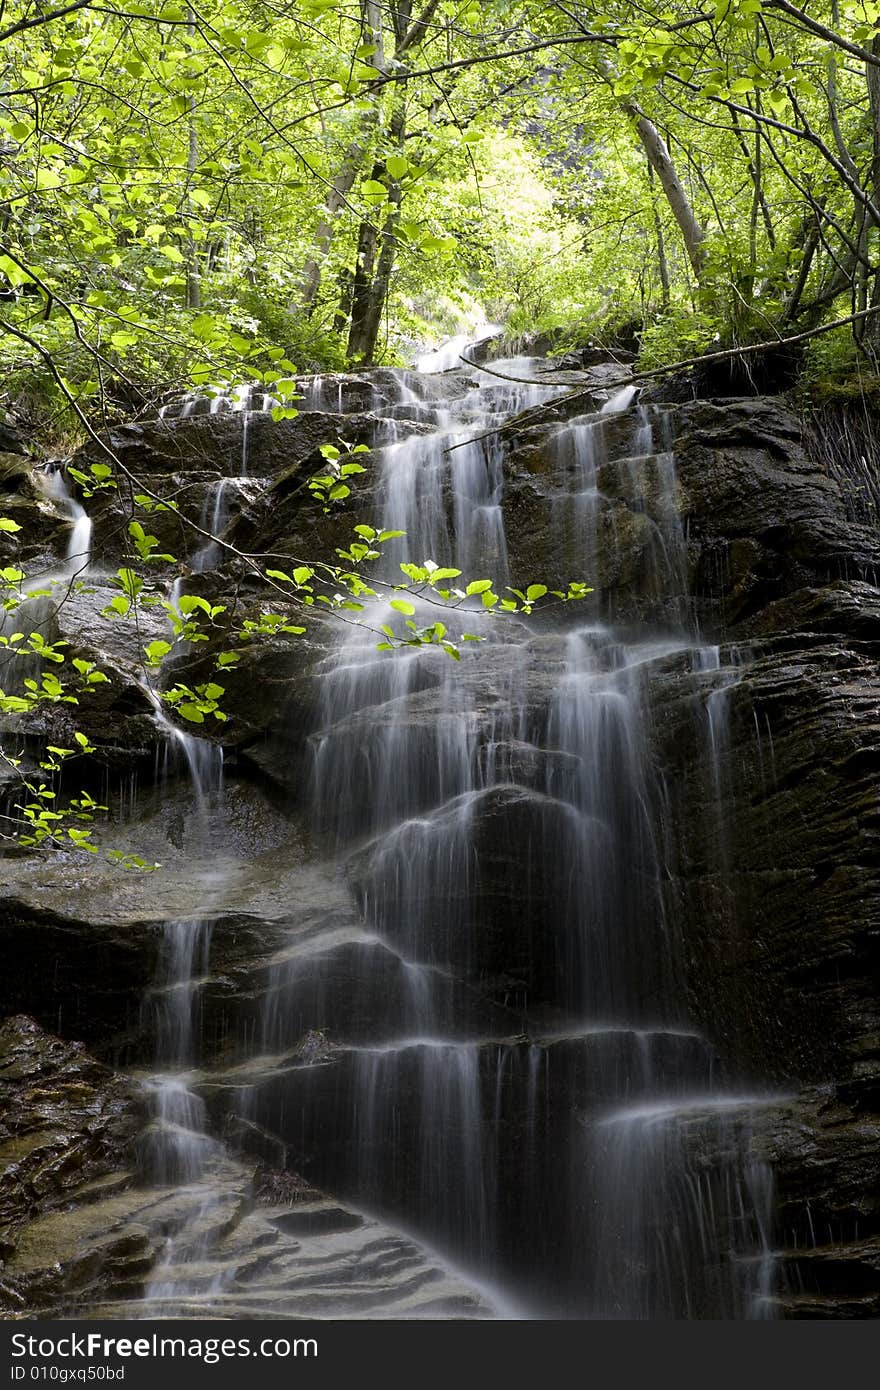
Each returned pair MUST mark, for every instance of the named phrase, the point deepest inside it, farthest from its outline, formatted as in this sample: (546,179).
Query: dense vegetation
(244,188)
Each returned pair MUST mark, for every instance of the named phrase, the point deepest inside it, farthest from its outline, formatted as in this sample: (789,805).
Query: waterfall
(684,1216)
(176,1149)
(448,355)
(537,1103)
(79,542)
(477,1025)
(214,518)
(42,596)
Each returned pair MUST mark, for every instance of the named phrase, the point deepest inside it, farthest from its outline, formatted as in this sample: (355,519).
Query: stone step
(462,1139)
(346,983)
(838,1278)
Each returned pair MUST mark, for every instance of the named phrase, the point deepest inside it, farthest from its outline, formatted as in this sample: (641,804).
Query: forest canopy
(240,191)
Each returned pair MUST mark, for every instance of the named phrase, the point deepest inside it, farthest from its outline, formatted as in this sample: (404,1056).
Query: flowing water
(43,592)
(509,1068)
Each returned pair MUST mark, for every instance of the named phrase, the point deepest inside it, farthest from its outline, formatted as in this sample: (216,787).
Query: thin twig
(724,355)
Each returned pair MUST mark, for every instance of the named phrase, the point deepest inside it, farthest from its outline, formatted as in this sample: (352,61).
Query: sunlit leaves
(195,704)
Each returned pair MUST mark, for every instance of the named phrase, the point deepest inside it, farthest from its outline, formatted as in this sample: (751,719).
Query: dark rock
(67,1126)
(763,519)
(11,440)
(825,1155)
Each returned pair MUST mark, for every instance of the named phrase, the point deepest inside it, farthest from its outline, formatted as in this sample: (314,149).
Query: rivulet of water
(42,594)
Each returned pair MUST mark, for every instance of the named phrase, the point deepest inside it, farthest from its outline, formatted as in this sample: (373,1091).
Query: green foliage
(681,333)
(194,705)
(172,190)
(331,485)
(215,197)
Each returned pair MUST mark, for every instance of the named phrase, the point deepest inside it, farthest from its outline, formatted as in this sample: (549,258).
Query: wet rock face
(824,1154)
(773,867)
(770,864)
(763,518)
(81,977)
(774,864)
(79,1233)
(67,1125)
(776,892)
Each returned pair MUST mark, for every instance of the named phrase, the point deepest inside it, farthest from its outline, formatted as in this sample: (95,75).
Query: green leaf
(48,179)
(403,605)
(191,713)
(478,586)
(155,652)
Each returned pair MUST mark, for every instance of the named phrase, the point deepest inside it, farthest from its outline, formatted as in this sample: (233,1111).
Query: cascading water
(176,1148)
(42,594)
(79,543)
(448,356)
(507,1065)
(423,772)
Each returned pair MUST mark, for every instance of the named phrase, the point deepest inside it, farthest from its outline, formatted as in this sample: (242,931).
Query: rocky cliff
(769,863)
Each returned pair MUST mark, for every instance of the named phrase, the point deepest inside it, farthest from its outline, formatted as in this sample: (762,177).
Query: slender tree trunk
(755,174)
(376,252)
(343,307)
(337,198)
(407,33)
(810,247)
(361,286)
(873,79)
(193,273)
(662,262)
(661,162)
(366,318)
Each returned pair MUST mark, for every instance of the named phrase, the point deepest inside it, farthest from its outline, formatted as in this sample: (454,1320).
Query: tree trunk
(376,252)
(662,263)
(366,318)
(872,73)
(193,273)
(407,32)
(661,162)
(361,287)
(336,201)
